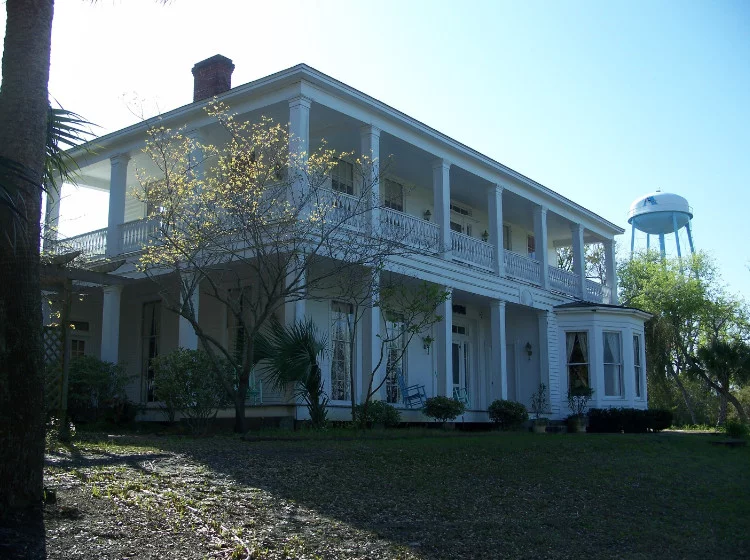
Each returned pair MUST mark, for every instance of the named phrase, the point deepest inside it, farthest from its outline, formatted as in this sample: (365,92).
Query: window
(506,238)
(341,345)
(150,330)
(77,348)
(342,177)
(394,366)
(462,210)
(577,352)
(531,246)
(637,364)
(393,195)
(612,365)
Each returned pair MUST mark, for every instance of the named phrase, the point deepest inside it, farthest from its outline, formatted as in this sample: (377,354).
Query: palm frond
(65,130)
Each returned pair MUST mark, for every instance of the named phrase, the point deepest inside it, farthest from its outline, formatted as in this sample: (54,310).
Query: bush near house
(184,380)
(509,415)
(443,408)
(628,420)
(96,390)
(378,413)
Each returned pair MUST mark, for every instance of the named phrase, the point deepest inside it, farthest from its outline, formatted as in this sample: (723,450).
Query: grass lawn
(494,495)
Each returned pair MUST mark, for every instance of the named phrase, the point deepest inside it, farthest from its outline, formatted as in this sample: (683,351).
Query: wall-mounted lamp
(427,214)
(427,343)
(529,350)
(485,236)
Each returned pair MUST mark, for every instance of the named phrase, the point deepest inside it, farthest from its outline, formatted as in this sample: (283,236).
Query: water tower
(660,213)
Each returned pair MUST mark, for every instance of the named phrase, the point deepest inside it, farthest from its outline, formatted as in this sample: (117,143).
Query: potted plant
(578,400)
(539,405)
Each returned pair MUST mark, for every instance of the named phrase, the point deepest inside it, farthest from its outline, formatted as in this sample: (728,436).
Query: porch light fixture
(427,214)
(529,350)
(485,236)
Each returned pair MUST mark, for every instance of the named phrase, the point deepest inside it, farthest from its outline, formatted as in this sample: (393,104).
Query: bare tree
(255,224)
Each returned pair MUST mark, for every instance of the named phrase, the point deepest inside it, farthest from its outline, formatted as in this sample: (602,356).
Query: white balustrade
(92,244)
(594,291)
(409,230)
(341,209)
(136,234)
(563,281)
(472,250)
(522,268)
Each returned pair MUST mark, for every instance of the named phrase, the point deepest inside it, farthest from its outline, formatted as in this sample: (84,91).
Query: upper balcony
(435,192)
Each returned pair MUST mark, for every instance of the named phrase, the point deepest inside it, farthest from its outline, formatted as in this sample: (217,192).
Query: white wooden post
(441,191)
(579,258)
(609,264)
(117,191)
(370,147)
(443,342)
(540,241)
(495,211)
(111,324)
(499,366)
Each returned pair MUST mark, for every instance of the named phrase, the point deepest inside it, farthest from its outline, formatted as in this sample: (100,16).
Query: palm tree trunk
(23,114)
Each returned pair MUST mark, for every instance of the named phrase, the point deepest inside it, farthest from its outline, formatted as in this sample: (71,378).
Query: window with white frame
(612,364)
(342,177)
(577,352)
(150,331)
(393,195)
(77,348)
(79,331)
(506,238)
(395,359)
(637,369)
(342,320)
(531,246)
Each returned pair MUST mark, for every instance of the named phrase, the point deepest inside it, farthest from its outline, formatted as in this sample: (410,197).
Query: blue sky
(600,101)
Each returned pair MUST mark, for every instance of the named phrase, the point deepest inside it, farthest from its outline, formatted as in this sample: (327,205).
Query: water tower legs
(690,236)
(662,246)
(632,237)
(676,235)
(648,242)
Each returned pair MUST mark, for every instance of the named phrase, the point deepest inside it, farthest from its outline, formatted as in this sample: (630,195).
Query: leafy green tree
(691,310)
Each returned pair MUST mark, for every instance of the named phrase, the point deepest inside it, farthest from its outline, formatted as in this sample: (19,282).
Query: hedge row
(628,420)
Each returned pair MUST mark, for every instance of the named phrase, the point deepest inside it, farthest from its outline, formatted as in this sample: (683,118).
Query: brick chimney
(212,77)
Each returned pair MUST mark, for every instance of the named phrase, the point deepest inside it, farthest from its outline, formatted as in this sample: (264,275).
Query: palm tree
(289,355)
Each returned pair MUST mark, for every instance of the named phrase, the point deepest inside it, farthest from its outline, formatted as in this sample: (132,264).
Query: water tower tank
(660,213)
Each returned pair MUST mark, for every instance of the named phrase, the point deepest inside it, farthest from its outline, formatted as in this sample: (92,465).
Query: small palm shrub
(378,412)
(509,415)
(443,408)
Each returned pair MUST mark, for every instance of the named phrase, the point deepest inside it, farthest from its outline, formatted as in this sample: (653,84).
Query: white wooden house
(514,320)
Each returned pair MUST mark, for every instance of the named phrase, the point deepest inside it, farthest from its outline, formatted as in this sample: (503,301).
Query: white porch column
(295,308)
(579,258)
(371,325)
(299,143)
(610,267)
(498,366)
(51,217)
(544,348)
(111,324)
(441,192)
(540,242)
(495,211)
(189,285)
(370,147)
(117,190)
(443,341)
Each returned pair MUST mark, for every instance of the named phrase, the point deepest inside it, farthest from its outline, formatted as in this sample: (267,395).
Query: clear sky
(600,101)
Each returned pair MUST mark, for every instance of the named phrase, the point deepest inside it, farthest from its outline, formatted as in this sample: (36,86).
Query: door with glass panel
(460,369)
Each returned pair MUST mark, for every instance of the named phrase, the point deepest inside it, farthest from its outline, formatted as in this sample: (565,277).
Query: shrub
(604,420)
(736,429)
(539,401)
(95,388)
(186,382)
(659,419)
(378,412)
(443,408)
(508,414)
(578,399)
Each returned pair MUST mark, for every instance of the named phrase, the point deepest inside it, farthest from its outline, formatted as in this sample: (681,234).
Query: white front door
(460,364)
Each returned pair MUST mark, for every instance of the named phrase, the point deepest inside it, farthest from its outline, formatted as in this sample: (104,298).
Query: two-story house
(513,319)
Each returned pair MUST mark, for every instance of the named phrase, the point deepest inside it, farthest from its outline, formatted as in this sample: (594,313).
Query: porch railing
(341,209)
(92,244)
(563,281)
(136,234)
(471,250)
(522,268)
(594,291)
(410,230)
